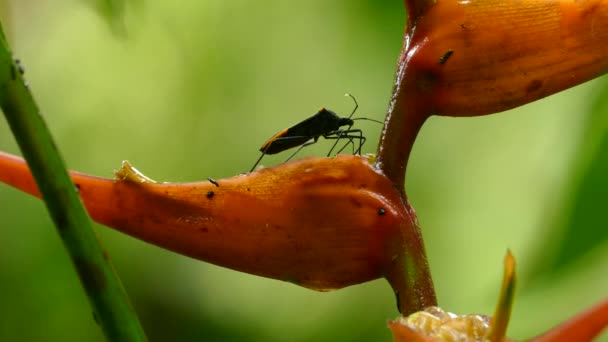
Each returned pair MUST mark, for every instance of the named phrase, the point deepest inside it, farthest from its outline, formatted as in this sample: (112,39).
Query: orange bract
(505,54)
(320,223)
(478,57)
(585,326)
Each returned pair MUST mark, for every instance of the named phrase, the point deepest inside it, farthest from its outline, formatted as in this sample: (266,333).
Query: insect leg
(258,161)
(286,143)
(301,147)
(349,142)
(362,140)
(339,134)
(350,134)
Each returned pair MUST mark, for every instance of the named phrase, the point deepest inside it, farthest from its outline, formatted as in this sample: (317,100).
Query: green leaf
(585,216)
(113,11)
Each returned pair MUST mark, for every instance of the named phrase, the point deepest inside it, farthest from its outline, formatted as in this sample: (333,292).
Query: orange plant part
(478,57)
(322,223)
(326,223)
(583,327)
(433,324)
(502,313)
(402,333)
(505,54)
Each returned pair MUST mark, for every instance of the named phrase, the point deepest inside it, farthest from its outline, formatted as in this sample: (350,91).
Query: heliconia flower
(478,57)
(326,223)
(321,223)
(433,324)
(475,57)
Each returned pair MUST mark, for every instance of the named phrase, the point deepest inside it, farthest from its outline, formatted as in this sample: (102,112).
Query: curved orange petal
(475,57)
(478,57)
(322,223)
(582,328)
(403,333)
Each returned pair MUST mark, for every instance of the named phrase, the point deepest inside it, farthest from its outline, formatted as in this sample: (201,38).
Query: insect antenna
(355,109)
(368,119)
(356,104)
(347,133)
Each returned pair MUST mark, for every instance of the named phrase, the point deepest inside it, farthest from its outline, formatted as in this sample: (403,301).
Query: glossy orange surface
(505,53)
(478,57)
(321,223)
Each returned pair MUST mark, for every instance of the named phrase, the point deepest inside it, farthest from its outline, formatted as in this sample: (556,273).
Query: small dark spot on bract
(356,203)
(446,56)
(210,194)
(91,275)
(381,211)
(534,86)
(204,230)
(426,81)
(590,10)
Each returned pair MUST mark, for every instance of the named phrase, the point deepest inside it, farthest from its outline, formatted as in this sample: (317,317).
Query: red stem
(409,275)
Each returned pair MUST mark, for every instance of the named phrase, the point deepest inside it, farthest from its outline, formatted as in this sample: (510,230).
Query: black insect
(325,123)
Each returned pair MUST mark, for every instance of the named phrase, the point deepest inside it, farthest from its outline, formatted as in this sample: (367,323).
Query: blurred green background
(190,89)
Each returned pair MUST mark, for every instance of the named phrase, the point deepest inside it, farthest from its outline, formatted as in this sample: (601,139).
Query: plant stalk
(111,306)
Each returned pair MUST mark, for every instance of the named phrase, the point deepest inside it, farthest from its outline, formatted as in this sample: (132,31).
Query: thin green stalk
(111,306)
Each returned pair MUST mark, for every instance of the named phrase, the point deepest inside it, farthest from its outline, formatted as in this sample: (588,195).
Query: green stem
(111,305)
(409,274)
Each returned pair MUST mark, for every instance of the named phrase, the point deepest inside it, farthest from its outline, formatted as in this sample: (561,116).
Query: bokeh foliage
(190,89)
